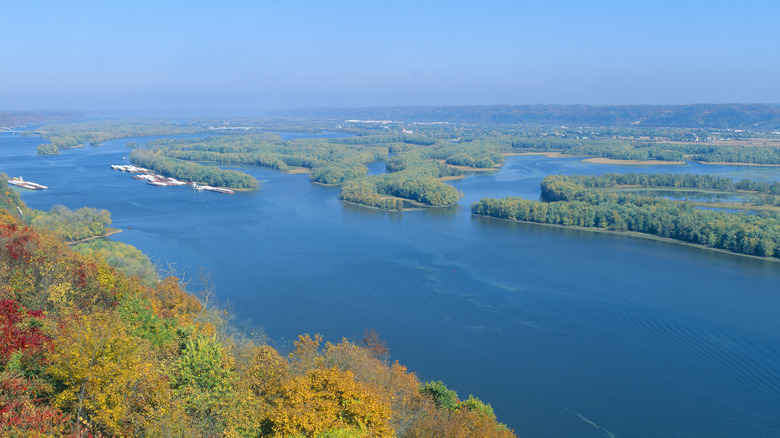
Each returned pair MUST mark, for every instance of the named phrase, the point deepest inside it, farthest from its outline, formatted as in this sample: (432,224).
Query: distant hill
(733,116)
(18,119)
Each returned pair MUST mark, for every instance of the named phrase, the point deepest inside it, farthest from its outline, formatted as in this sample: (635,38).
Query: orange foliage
(375,344)
(170,301)
(433,422)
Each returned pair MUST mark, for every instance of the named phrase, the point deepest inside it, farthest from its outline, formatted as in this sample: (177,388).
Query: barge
(19,182)
(147,175)
(195,186)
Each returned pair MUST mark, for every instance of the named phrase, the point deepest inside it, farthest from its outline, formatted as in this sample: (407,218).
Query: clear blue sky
(258,55)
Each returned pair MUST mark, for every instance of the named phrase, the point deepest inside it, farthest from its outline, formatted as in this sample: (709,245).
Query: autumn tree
(105,377)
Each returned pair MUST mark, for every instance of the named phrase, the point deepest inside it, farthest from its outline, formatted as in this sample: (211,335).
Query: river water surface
(566,333)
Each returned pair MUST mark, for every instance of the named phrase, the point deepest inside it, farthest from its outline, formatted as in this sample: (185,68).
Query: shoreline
(636,234)
(328,185)
(471,169)
(377,208)
(109,232)
(451,178)
(417,205)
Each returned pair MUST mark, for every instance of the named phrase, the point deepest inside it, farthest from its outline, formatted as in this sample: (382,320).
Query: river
(566,333)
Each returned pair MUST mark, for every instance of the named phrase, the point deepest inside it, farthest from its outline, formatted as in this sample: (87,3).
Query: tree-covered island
(610,202)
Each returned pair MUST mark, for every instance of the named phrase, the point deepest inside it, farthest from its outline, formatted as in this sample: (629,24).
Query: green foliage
(342,433)
(206,382)
(364,192)
(136,310)
(571,203)
(338,173)
(194,172)
(443,397)
(378,190)
(737,154)
(48,149)
(124,258)
(474,404)
(70,135)
(10,201)
(329,162)
(72,225)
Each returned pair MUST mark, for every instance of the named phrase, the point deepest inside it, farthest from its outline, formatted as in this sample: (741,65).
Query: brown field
(296,170)
(544,154)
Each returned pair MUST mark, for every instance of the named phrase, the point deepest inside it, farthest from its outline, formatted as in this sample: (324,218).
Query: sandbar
(600,160)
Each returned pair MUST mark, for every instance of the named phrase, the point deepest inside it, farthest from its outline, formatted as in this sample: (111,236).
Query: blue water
(566,333)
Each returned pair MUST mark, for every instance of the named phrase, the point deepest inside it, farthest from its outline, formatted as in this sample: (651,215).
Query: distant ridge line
(18,119)
(738,115)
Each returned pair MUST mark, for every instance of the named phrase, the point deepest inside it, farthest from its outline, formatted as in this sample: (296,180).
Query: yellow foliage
(393,383)
(326,399)
(105,276)
(169,300)
(306,355)
(109,379)
(266,371)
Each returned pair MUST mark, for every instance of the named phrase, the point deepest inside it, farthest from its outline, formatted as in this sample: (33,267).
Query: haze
(241,55)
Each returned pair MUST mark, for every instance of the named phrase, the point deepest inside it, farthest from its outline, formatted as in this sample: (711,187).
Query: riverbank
(416,205)
(471,169)
(634,234)
(109,232)
(381,209)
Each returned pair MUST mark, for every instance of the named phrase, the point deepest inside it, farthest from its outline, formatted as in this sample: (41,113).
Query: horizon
(248,57)
(304,108)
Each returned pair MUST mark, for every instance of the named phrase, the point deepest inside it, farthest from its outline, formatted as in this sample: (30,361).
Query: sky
(261,55)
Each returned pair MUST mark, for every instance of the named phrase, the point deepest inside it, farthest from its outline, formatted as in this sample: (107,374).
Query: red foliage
(15,240)
(22,412)
(18,332)
(375,345)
